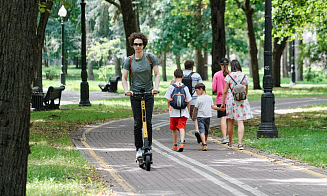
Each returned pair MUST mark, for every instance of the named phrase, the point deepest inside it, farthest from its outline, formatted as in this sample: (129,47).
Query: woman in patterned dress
(236,110)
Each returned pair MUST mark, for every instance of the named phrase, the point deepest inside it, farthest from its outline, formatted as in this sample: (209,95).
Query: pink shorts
(177,123)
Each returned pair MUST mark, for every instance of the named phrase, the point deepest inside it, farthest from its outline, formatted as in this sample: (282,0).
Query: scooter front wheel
(148,163)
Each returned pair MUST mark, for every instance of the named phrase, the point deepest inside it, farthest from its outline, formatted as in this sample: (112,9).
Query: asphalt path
(110,148)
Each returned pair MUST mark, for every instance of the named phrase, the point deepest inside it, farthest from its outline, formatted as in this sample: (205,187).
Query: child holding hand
(203,105)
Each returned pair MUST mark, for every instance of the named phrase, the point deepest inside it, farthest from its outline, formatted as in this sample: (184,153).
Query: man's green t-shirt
(141,76)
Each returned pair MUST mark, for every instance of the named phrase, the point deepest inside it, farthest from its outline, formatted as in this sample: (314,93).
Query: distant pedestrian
(236,110)
(218,85)
(196,78)
(139,68)
(203,106)
(178,117)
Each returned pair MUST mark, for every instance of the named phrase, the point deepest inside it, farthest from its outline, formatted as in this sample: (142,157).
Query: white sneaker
(139,153)
(225,140)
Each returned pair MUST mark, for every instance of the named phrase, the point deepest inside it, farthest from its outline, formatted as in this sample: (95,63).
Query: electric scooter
(146,160)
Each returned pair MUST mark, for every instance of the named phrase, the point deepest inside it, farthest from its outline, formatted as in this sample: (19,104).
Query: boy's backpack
(178,97)
(239,90)
(187,81)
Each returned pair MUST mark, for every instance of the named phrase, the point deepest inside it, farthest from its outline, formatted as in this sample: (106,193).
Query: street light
(267,128)
(62,13)
(84,84)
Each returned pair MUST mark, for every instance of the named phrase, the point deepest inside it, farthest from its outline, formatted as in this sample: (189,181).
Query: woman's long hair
(235,66)
(225,69)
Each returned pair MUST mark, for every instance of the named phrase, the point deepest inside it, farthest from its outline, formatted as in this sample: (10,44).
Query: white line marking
(204,174)
(212,170)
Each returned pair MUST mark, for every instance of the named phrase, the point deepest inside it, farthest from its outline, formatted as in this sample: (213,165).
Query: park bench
(46,101)
(111,86)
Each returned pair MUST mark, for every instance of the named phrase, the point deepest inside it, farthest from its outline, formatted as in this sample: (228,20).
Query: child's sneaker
(204,147)
(181,147)
(197,135)
(175,147)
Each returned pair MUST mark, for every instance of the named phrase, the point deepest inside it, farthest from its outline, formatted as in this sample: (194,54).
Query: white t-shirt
(175,112)
(204,103)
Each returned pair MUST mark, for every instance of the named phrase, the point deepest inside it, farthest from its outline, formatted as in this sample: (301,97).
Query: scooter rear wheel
(148,163)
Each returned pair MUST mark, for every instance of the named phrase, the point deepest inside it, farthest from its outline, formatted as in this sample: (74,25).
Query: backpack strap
(235,81)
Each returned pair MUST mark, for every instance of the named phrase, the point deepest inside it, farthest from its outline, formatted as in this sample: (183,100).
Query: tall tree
(218,50)
(46,6)
(130,23)
(248,7)
(18,42)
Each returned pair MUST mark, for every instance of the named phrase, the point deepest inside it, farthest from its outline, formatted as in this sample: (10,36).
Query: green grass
(55,167)
(302,135)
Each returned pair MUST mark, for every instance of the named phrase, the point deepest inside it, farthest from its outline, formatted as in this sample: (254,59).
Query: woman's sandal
(240,147)
(229,145)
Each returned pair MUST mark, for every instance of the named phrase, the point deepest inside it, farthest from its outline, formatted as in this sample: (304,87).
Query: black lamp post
(267,128)
(84,84)
(62,13)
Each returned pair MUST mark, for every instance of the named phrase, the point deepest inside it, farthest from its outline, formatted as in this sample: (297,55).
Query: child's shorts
(177,122)
(203,124)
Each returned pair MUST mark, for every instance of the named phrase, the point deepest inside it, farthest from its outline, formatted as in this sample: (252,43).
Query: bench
(52,94)
(111,86)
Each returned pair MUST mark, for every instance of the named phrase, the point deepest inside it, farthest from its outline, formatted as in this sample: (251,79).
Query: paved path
(218,171)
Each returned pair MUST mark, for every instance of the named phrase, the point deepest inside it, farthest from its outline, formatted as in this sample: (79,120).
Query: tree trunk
(130,25)
(205,67)
(298,61)
(117,66)
(164,65)
(199,62)
(252,44)
(178,61)
(276,58)
(218,33)
(40,43)
(285,69)
(18,47)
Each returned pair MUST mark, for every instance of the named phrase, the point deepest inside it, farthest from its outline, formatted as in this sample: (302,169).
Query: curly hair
(141,36)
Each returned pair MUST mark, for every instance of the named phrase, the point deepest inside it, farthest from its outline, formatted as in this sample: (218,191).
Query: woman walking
(236,110)
(218,85)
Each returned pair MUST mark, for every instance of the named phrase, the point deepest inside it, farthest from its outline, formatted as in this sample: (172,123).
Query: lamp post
(62,13)
(267,128)
(84,84)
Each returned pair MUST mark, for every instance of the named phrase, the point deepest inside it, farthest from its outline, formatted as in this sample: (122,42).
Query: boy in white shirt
(178,117)
(204,104)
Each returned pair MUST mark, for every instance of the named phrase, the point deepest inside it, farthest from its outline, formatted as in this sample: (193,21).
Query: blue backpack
(178,97)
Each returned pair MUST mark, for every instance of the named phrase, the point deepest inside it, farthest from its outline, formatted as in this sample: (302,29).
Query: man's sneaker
(224,140)
(197,135)
(139,153)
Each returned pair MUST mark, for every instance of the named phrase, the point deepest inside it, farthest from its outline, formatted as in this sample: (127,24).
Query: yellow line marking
(125,185)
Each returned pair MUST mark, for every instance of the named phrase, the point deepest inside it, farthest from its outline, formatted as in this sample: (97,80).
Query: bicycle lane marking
(123,183)
(204,174)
